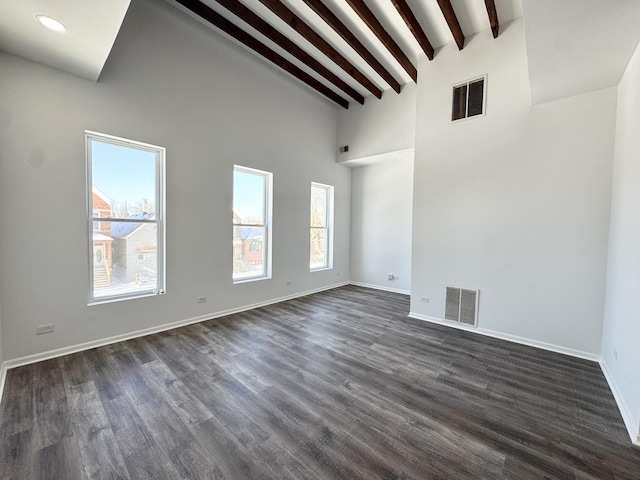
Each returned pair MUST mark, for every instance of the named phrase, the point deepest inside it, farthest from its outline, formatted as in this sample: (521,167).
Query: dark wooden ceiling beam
(236,32)
(452,21)
(412,23)
(376,27)
(249,17)
(295,22)
(493,17)
(341,29)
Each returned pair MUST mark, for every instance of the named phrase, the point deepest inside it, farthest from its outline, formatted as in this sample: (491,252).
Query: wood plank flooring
(336,385)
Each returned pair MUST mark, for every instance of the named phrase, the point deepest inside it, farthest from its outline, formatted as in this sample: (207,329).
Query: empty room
(320,239)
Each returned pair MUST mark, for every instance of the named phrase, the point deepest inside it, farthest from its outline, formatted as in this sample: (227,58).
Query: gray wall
(515,203)
(172,82)
(379,126)
(621,334)
(1,349)
(381,212)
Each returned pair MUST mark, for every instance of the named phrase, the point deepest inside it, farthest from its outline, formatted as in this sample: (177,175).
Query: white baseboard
(630,421)
(380,287)
(3,377)
(38,357)
(511,338)
(59,352)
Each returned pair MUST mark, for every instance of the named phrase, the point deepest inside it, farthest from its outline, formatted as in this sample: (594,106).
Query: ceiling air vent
(461,305)
(343,149)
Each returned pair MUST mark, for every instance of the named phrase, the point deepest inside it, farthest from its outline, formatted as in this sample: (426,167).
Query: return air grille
(461,305)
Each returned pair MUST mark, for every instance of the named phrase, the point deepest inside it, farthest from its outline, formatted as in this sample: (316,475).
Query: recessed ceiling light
(51,23)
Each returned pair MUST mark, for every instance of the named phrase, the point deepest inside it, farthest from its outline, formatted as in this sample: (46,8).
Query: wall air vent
(461,305)
(343,149)
(469,99)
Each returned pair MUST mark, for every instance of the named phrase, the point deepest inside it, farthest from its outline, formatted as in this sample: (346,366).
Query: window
(125,191)
(468,99)
(321,235)
(251,224)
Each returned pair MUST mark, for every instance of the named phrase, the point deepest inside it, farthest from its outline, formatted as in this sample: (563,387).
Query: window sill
(251,279)
(320,269)
(102,301)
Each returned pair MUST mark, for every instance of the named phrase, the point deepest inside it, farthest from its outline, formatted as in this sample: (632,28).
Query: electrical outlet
(615,353)
(424,299)
(390,276)
(289,283)
(45,329)
(202,299)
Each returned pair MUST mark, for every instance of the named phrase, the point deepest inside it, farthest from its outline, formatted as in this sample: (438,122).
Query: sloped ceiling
(577,46)
(472,16)
(92,27)
(573,46)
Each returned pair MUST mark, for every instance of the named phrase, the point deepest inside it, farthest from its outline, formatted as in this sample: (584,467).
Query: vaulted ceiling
(91,29)
(348,50)
(352,50)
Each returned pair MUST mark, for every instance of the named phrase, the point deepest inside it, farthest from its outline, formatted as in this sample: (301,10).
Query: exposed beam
(248,16)
(376,27)
(236,32)
(341,29)
(295,22)
(493,17)
(452,21)
(412,23)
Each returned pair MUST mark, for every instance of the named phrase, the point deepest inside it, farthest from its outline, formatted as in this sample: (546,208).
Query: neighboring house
(237,237)
(251,241)
(102,241)
(135,253)
(247,242)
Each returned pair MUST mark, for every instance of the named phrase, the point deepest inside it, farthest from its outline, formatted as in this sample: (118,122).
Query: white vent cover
(461,305)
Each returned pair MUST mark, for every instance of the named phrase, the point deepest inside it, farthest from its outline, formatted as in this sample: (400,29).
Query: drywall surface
(621,333)
(1,350)
(381,205)
(514,203)
(378,126)
(578,46)
(172,82)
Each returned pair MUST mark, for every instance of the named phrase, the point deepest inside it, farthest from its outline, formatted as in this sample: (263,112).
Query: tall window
(321,236)
(251,224)
(125,192)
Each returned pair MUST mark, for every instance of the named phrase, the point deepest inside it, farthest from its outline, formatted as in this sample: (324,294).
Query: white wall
(378,126)
(169,81)
(515,203)
(622,308)
(381,206)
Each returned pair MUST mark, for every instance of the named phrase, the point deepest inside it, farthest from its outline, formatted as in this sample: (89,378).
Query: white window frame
(484,98)
(159,219)
(328,227)
(266,244)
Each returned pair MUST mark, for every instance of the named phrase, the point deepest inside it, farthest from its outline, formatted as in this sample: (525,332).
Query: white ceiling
(92,27)
(573,46)
(577,46)
(472,15)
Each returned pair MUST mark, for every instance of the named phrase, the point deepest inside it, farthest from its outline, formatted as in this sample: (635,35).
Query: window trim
(328,228)
(159,221)
(267,215)
(484,98)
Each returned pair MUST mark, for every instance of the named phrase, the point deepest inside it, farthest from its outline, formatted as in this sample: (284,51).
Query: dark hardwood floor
(337,385)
